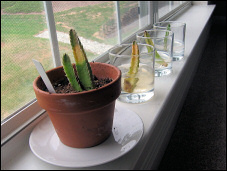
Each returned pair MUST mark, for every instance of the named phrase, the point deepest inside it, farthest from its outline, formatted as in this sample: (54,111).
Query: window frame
(175,11)
(20,119)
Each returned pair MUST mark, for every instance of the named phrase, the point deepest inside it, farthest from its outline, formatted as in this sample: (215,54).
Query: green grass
(25,25)
(19,47)
(22,6)
(18,71)
(85,20)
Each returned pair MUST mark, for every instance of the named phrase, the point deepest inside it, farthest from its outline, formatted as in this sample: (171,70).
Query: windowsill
(159,115)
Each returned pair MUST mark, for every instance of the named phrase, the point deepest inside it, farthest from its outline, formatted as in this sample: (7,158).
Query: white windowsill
(159,115)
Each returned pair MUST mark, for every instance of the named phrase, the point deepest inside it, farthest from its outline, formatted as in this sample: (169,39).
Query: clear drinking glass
(137,87)
(162,40)
(179,29)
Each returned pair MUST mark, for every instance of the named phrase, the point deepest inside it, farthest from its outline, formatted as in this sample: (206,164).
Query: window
(21,22)
(165,7)
(130,18)
(94,22)
(99,24)
(24,36)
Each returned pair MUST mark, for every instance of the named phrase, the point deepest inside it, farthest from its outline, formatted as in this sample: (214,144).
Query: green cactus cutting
(131,80)
(150,49)
(69,71)
(82,65)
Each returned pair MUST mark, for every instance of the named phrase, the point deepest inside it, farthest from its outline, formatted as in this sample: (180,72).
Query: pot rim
(83,92)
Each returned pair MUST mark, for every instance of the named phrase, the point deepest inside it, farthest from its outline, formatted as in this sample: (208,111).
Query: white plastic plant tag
(44,76)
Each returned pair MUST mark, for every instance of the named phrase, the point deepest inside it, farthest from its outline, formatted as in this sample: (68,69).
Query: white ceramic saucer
(126,133)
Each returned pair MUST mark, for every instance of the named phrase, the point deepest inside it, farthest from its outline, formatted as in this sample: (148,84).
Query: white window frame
(175,11)
(26,115)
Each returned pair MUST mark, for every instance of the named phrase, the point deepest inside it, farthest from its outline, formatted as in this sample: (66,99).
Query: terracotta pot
(82,119)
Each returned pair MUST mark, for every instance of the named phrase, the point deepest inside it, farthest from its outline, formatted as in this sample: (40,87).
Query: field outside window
(21,21)
(24,36)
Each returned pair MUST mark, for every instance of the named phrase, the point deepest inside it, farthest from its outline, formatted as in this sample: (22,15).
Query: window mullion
(118,21)
(155,11)
(52,32)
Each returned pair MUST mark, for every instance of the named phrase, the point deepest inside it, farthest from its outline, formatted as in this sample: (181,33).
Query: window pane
(24,36)
(129,18)
(143,14)
(94,21)
(165,7)
(21,22)
(133,16)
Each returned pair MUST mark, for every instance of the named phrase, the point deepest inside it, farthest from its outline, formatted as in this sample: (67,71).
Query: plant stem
(167,34)
(150,49)
(130,82)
